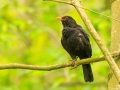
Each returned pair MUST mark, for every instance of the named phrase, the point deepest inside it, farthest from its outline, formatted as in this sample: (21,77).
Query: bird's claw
(73,63)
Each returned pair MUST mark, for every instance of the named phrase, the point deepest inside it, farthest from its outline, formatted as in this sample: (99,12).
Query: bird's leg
(73,62)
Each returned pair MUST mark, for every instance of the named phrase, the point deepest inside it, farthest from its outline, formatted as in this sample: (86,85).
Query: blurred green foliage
(30,34)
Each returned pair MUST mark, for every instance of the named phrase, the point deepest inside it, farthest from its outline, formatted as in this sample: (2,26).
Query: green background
(30,34)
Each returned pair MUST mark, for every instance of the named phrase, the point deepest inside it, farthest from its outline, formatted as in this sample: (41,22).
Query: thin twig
(99,13)
(54,67)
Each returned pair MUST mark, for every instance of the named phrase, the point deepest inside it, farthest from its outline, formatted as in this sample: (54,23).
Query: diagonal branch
(54,67)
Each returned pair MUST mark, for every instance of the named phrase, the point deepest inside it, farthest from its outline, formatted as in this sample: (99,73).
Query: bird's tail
(88,75)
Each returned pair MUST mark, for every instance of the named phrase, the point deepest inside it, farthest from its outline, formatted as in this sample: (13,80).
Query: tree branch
(54,67)
(96,37)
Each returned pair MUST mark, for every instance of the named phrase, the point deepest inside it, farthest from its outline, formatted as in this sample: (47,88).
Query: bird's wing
(87,48)
(85,40)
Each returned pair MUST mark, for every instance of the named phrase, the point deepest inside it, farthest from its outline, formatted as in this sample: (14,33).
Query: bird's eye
(66,18)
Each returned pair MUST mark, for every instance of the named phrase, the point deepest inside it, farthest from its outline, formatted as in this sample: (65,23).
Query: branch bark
(94,34)
(54,67)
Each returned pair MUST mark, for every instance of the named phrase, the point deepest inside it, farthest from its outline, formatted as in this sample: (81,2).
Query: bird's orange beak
(59,18)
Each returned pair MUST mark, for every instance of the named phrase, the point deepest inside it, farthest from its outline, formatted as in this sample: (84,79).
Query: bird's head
(67,21)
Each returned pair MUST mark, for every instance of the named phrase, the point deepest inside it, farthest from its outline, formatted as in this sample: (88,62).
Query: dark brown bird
(76,42)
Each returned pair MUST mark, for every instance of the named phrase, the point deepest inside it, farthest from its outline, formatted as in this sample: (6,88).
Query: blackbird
(76,42)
